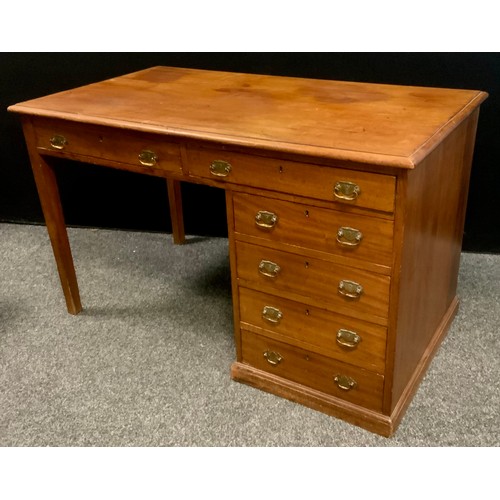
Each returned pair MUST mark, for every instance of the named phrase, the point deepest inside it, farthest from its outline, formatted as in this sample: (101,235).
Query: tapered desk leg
(175,203)
(50,200)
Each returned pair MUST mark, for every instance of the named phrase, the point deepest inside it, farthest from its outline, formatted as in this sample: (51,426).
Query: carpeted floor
(147,362)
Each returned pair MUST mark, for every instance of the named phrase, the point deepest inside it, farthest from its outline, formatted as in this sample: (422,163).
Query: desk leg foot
(54,219)
(50,201)
(175,203)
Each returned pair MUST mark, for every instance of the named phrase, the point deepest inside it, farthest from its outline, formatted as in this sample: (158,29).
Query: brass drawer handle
(350,289)
(58,141)
(220,168)
(345,383)
(148,158)
(347,338)
(266,220)
(273,358)
(269,269)
(272,314)
(349,237)
(345,190)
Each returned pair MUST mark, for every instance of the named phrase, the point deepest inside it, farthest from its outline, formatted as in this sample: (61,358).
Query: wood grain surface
(380,124)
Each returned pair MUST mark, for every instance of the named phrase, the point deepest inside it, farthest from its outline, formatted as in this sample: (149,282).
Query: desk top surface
(370,123)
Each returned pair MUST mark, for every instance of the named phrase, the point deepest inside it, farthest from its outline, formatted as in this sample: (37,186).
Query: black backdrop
(98,197)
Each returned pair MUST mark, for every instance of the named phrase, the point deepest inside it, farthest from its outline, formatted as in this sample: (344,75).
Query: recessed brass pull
(350,289)
(220,168)
(273,358)
(347,338)
(345,190)
(58,141)
(344,382)
(269,269)
(148,158)
(349,237)
(272,314)
(266,220)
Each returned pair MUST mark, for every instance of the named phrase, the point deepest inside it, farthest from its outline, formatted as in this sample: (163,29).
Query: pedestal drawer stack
(344,276)
(313,285)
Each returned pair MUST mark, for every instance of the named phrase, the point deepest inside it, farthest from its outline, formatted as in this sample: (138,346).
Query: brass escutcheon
(349,237)
(220,168)
(346,190)
(148,158)
(348,338)
(350,289)
(273,358)
(344,382)
(269,269)
(266,220)
(272,314)
(58,141)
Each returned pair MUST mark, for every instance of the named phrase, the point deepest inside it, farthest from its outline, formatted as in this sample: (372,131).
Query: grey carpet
(147,362)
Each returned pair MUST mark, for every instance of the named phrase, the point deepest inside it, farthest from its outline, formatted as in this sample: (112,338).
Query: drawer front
(331,231)
(314,281)
(346,339)
(349,383)
(104,143)
(340,186)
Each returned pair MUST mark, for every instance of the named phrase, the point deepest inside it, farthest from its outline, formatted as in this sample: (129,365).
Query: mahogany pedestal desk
(345,204)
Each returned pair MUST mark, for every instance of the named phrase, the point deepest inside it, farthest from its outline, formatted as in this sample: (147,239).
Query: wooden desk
(346,206)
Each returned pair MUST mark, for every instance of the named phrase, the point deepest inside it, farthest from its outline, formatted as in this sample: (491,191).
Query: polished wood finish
(111,144)
(370,123)
(308,180)
(313,370)
(356,414)
(303,226)
(176,215)
(234,273)
(392,162)
(50,201)
(314,329)
(431,249)
(315,282)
